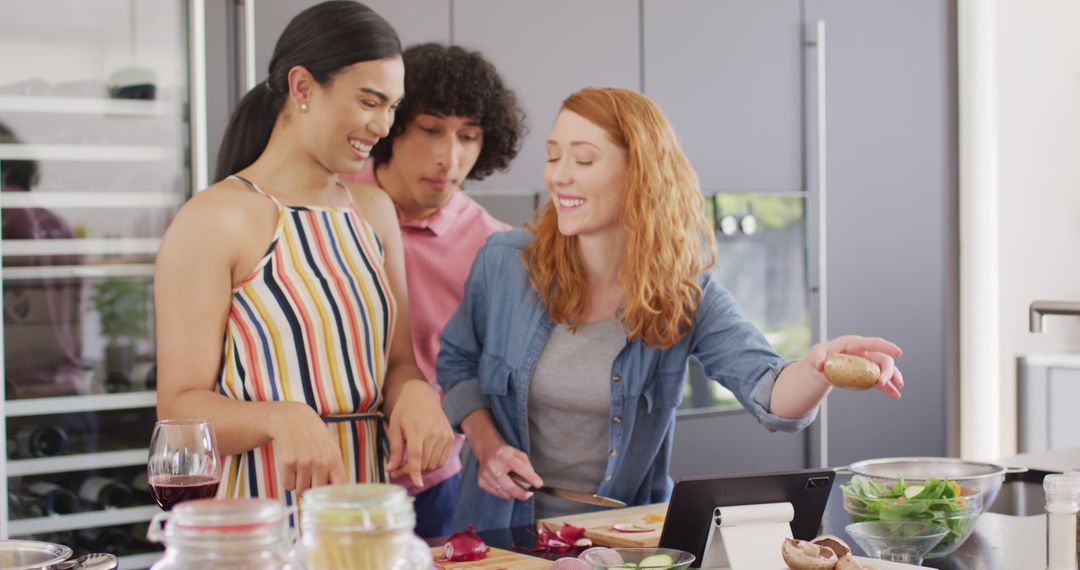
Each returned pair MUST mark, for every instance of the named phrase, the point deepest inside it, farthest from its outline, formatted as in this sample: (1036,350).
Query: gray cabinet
(728,75)
(416,21)
(546,51)
(1048,387)
(892,211)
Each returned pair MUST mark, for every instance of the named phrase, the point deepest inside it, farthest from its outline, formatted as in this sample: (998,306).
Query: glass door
(95,158)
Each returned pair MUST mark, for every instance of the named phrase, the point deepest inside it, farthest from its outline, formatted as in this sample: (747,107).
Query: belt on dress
(382,444)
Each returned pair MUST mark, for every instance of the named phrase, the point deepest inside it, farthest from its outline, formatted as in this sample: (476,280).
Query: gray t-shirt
(570,411)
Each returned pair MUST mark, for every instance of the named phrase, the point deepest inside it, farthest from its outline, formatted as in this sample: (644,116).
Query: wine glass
(184,463)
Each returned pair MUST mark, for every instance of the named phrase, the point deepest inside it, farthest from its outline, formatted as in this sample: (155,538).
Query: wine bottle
(140,485)
(57,500)
(37,441)
(105,493)
(23,506)
(110,539)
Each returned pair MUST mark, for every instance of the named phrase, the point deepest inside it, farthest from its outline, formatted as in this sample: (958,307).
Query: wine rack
(101,141)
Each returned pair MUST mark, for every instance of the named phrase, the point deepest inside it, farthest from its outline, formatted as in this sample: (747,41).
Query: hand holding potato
(859,363)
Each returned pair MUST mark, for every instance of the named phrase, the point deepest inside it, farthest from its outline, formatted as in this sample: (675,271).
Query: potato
(851,372)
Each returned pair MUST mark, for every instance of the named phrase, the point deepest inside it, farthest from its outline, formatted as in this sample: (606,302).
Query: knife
(576,496)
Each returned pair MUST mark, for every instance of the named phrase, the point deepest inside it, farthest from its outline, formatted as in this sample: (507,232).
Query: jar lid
(248,520)
(357,507)
(1062,485)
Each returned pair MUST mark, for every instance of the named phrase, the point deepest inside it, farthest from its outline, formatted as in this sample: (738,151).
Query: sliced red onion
(465,547)
(570,564)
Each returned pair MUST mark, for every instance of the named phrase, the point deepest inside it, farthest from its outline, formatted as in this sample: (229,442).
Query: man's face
(431,159)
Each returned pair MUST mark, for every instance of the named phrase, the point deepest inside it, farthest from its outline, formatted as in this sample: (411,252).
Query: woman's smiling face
(585,176)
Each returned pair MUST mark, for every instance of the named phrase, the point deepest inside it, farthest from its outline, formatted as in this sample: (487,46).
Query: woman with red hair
(565,361)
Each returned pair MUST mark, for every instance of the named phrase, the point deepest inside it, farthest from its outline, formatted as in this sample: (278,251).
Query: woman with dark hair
(280,295)
(565,361)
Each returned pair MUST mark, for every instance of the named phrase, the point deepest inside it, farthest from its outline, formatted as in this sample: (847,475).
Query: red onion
(568,538)
(465,547)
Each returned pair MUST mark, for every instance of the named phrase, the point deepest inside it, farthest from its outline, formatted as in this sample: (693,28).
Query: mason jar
(361,526)
(224,534)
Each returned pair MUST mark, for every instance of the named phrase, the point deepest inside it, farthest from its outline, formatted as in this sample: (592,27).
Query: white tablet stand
(748,537)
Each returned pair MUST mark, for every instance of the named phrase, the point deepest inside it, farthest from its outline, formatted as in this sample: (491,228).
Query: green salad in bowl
(938,501)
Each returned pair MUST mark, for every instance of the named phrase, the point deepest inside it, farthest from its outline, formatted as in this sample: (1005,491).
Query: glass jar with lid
(361,526)
(1062,511)
(224,534)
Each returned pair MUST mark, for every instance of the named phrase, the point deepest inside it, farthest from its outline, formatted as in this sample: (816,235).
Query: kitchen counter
(999,542)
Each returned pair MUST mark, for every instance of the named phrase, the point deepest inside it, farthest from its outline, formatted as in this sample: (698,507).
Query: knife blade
(576,496)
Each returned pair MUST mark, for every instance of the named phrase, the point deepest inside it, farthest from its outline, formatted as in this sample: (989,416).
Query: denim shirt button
(616,420)
(613,451)
(616,378)
(608,478)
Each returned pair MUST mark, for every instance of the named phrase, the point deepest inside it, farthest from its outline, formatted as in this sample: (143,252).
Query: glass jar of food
(361,526)
(224,534)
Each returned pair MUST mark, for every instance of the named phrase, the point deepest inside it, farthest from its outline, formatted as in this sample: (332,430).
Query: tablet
(690,511)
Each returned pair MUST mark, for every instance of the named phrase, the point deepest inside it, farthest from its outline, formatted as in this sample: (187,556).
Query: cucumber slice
(657,561)
(913,490)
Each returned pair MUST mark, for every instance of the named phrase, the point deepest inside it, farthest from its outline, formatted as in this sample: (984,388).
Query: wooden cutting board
(598,525)
(497,559)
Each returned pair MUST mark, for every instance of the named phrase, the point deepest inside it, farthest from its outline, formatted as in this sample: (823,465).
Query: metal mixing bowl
(31,555)
(986,477)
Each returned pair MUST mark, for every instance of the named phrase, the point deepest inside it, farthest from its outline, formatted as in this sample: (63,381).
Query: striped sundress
(311,323)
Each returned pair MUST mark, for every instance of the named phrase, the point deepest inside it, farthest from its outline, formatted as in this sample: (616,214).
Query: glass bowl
(637,558)
(897,541)
(957,515)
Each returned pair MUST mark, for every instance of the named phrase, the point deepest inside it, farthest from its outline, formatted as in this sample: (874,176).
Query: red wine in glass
(184,463)
(168,490)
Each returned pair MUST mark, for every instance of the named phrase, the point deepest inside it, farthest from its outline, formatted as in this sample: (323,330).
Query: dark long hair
(324,39)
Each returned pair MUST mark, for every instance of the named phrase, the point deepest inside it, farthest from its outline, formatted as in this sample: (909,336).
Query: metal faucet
(1039,309)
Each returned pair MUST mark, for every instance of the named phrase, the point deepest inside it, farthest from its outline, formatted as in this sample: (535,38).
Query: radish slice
(630,528)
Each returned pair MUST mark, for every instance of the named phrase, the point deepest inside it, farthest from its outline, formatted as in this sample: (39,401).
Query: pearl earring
(303,107)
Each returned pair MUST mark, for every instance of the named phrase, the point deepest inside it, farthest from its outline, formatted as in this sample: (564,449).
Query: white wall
(1038,77)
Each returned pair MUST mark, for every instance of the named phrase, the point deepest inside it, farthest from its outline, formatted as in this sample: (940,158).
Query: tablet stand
(748,537)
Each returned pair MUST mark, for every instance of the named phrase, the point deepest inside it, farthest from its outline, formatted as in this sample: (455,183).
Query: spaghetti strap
(348,194)
(256,188)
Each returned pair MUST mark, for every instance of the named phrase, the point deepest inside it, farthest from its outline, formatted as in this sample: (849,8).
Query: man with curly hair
(457,122)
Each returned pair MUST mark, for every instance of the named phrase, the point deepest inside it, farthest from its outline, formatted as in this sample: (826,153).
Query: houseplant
(122,305)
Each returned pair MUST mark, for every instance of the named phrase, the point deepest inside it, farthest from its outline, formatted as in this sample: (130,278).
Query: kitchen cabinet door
(546,51)
(415,21)
(728,75)
(892,210)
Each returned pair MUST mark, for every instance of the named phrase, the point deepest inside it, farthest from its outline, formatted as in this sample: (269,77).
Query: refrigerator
(102,119)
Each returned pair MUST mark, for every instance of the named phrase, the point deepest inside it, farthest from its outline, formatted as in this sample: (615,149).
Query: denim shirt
(492,343)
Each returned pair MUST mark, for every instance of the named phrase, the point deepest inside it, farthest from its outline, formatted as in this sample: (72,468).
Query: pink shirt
(439,251)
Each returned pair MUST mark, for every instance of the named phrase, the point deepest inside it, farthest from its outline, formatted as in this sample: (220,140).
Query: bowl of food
(935,501)
(985,476)
(897,541)
(637,559)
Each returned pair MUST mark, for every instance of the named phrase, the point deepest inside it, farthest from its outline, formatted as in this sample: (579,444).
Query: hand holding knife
(576,496)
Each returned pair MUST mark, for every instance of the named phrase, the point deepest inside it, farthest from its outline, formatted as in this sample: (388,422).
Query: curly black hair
(452,81)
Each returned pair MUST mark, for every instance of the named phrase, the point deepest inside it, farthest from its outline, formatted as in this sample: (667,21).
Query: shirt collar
(439,222)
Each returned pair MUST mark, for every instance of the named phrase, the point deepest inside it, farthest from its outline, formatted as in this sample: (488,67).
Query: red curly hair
(669,241)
